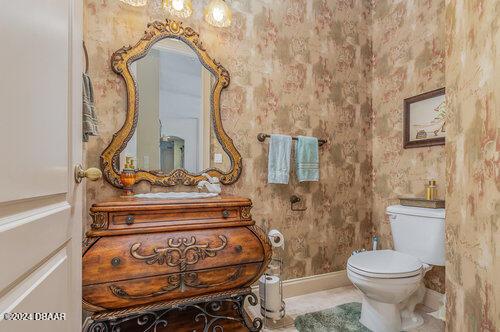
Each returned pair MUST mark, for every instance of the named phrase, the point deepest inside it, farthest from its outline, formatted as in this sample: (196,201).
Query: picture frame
(424,119)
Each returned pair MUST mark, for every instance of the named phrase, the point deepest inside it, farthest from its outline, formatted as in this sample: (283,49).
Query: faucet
(212,185)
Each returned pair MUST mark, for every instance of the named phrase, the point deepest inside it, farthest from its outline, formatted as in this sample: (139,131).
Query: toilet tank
(418,232)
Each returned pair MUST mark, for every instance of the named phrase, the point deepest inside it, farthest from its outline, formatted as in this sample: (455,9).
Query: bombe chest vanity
(143,255)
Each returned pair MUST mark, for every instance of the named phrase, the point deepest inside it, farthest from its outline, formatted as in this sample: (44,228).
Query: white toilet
(391,280)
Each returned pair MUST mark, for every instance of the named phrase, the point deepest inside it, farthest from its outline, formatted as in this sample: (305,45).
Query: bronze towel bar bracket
(262,137)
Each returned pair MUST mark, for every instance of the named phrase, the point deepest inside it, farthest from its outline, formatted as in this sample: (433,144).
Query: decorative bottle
(431,190)
(127,176)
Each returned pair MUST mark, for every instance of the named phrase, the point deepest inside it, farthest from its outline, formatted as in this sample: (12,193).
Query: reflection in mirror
(174,128)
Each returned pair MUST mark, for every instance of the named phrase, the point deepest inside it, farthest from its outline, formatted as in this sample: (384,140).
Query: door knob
(91,173)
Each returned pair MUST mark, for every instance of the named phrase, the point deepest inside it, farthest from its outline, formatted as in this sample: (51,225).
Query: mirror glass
(175,127)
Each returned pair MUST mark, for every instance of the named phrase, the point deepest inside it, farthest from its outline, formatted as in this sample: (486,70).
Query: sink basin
(177,195)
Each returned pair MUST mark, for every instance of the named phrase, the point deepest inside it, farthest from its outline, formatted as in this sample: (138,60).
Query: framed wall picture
(424,119)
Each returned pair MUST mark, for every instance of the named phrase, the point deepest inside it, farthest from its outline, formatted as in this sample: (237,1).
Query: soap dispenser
(127,176)
(431,190)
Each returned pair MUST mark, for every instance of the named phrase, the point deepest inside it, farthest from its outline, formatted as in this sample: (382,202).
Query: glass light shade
(135,3)
(218,14)
(179,8)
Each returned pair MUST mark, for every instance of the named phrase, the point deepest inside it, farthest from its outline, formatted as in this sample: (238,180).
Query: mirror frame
(120,61)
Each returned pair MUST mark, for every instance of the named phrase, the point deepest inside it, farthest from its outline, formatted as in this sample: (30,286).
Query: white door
(40,141)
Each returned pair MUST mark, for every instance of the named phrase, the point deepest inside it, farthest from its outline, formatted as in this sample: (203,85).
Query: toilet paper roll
(269,293)
(277,239)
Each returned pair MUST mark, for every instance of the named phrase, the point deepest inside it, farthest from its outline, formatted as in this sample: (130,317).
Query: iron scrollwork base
(208,313)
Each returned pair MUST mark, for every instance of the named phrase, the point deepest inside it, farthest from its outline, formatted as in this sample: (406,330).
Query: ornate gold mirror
(173,127)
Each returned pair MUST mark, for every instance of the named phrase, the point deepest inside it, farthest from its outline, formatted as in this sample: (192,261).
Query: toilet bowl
(387,279)
(391,280)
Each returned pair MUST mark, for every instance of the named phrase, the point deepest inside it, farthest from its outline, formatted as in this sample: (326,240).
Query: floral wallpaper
(340,69)
(297,67)
(408,59)
(472,165)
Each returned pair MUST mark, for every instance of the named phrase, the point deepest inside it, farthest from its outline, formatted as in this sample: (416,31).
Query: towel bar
(262,137)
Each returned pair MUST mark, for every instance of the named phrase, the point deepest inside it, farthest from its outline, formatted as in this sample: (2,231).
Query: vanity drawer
(115,295)
(141,219)
(117,258)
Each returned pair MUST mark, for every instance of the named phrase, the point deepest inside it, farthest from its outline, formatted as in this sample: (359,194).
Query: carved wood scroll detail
(176,281)
(245,213)
(120,63)
(181,252)
(87,243)
(268,250)
(99,220)
(178,253)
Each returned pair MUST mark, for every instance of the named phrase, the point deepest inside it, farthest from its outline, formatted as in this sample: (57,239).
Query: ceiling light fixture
(218,14)
(179,8)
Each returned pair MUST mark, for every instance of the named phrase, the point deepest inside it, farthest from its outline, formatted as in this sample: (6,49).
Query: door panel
(44,290)
(40,142)
(24,242)
(34,127)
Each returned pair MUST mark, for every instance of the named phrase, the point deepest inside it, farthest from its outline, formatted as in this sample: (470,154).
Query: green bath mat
(342,318)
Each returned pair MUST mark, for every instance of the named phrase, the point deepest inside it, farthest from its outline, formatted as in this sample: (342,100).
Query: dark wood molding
(407,143)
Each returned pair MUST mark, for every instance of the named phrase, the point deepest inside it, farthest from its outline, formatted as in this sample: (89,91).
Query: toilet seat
(385,264)
(384,275)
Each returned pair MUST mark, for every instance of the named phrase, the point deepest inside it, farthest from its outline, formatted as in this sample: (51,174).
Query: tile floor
(299,305)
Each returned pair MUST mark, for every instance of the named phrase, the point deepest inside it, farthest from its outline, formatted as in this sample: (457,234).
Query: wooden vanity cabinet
(152,253)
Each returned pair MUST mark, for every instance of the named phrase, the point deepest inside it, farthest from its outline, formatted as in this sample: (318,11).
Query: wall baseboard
(433,300)
(321,282)
(311,284)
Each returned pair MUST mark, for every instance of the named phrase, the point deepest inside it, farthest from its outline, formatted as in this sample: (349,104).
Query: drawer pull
(225,213)
(238,249)
(178,282)
(129,220)
(179,252)
(116,261)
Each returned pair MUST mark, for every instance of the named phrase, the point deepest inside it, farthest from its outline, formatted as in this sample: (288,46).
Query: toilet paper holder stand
(274,269)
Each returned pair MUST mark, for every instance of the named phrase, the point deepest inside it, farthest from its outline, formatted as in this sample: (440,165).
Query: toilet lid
(384,264)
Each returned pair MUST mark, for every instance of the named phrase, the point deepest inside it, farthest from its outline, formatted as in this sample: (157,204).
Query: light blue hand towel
(280,148)
(307,158)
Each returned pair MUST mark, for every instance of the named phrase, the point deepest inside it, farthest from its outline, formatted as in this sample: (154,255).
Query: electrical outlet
(218,158)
